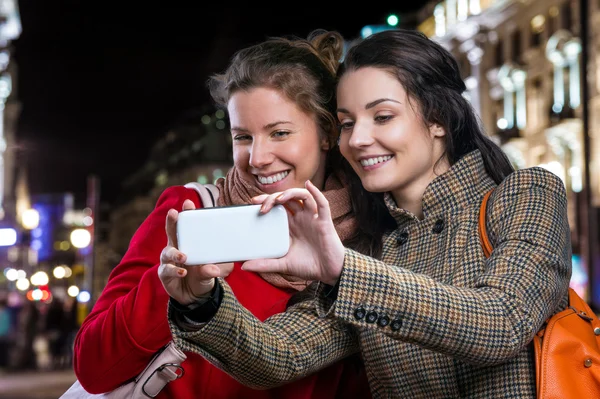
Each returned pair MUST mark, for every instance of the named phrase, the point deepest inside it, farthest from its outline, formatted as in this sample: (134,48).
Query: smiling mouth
(375,160)
(273,178)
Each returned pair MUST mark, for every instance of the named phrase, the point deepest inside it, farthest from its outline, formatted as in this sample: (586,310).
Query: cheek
(241,158)
(344,147)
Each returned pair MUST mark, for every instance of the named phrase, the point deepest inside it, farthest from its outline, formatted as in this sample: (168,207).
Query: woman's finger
(264,266)
(188,205)
(321,202)
(172,255)
(299,194)
(293,206)
(205,272)
(170,270)
(259,199)
(269,202)
(171,227)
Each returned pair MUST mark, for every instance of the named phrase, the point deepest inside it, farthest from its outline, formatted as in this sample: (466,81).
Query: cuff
(201,311)
(326,296)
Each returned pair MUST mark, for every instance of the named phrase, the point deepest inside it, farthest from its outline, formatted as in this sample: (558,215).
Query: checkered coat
(433,318)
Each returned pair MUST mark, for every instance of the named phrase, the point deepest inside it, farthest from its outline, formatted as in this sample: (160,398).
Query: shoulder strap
(485,241)
(209,193)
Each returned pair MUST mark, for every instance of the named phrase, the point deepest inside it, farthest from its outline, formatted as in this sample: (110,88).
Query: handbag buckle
(179,373)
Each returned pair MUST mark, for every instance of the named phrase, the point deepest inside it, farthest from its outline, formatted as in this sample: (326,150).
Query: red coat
(128,324)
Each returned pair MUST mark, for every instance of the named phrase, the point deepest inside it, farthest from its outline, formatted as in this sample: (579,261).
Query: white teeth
(274,178)
(374,160)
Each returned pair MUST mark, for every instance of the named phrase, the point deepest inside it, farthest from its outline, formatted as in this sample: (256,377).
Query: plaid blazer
(433,318)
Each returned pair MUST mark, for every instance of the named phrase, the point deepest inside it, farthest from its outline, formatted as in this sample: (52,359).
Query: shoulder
(534,178)
(527,195)
(174,197)
(535,183)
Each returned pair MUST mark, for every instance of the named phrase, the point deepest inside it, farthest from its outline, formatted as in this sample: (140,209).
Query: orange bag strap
(485,241)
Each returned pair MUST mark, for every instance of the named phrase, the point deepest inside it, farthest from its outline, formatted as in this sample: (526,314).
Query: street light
(393,20)
(30,219)
(80,238)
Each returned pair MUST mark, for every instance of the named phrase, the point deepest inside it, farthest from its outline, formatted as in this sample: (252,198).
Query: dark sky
(99,84)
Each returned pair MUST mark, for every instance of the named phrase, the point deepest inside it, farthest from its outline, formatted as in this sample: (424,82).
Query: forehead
(261,102)
(367,84)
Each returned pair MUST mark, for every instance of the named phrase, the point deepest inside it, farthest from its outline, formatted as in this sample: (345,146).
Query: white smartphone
(232,233)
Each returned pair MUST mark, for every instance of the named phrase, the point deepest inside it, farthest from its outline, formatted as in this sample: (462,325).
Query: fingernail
(280,196)
(181,272)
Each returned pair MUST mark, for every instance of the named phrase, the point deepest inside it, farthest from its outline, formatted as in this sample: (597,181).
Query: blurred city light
(392,20)
(39,278)
(59,272)
(22,284)
(30,219)
(73,291)
(8,237)
(80,238)
(83,297)
(11,274)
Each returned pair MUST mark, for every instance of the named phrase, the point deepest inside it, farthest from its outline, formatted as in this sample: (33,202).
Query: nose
(361,135)
(260,154)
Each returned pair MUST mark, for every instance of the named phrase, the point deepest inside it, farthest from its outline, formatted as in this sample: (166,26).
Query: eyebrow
(265,127)
(370,105)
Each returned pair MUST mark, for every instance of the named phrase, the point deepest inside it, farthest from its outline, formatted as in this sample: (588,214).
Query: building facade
(521,62)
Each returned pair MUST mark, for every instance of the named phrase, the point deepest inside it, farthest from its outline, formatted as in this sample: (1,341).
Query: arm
(524,280)
(285,347)
(128,323)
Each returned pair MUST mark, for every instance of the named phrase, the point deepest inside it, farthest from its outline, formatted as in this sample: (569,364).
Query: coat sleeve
(521,285)
(128,323)
(262,355)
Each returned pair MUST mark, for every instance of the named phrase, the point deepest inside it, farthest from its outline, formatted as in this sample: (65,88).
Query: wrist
(205,291)
(335,270)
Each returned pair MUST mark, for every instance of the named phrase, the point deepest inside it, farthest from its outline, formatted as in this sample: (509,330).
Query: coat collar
(462,185)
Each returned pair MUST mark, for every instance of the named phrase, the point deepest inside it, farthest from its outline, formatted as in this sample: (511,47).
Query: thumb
(171,227)
(265,266)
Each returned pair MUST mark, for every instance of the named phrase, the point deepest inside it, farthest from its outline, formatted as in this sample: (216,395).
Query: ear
(436,131)
(325,144)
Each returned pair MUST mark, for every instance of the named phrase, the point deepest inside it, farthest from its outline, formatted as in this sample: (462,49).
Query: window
(499,53)
(565,15)
(516,45)
(537,28)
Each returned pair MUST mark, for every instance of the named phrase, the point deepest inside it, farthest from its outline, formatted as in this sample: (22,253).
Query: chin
(375,188)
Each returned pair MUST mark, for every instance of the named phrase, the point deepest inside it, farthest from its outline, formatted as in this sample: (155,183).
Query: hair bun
(329,46)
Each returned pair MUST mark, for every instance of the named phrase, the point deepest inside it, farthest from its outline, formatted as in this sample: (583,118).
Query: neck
(410,196)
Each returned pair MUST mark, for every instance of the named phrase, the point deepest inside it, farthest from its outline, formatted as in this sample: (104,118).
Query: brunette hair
(431,78)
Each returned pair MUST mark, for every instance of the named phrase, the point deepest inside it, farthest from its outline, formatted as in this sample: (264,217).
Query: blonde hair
(304,70)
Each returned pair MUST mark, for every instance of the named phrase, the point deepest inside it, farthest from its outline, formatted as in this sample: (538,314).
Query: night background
(98,83)
(105,105)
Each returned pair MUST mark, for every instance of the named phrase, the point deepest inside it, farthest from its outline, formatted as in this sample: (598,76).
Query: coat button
(402,238)
(359,313)
(396,324)
(438,227)
(371,317)
(383,321)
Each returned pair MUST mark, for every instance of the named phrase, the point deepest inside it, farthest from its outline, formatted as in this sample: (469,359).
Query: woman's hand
(186,284)
(316,251)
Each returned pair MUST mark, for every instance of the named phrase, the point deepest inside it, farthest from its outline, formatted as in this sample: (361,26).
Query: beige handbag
(162,369)
(165,366)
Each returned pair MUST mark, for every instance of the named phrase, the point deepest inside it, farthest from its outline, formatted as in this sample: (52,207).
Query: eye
(383,118)
(345,126)
(280,134)
(242,137)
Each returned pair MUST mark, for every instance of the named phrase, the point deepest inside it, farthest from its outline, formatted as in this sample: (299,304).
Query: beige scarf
(235,190)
